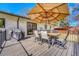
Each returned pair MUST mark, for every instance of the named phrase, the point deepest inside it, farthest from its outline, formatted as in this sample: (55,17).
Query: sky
(23,8)
(17,8)
(71,19)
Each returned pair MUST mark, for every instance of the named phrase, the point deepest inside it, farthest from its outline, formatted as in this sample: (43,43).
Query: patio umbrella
(48,13)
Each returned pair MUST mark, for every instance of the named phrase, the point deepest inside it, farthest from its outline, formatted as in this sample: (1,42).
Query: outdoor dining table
(53,34)
(53,37)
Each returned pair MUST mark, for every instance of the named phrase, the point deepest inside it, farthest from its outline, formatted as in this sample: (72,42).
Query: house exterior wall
(23,25)
(11,23)
(40,26)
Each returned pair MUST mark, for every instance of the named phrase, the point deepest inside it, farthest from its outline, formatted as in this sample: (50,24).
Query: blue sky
(17,8)
(23,8)
(72,21)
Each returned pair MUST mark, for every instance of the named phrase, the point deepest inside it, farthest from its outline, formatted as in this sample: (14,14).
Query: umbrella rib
(49,9)
(51,12)
(37,17)
(41,7)
(56,17)
(56,7)
(46,13)
(58,14)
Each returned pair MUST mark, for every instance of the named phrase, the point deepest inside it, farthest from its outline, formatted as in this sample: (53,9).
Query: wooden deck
(14,48)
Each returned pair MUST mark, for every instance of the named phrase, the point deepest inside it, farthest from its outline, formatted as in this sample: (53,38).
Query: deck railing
(73,36)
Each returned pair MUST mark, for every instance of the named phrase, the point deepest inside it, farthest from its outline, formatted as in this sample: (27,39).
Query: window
(31,27)
(2,22)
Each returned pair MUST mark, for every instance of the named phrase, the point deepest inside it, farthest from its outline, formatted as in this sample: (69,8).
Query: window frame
(3,19)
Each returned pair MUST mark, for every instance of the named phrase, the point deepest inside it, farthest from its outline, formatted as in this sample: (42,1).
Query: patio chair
(36,35)
(45,38)
(62,42)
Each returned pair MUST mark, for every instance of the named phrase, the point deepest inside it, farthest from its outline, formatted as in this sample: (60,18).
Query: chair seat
(60,42)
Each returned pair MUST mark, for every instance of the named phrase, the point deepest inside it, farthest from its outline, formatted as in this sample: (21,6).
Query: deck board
(78,49)
(56,51)
(64,53)
(70,50)
(61,52)
(44,51)
(41,49)
(13,48)
(50,51)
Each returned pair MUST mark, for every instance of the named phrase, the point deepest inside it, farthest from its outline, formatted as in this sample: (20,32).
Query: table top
(51,34)
(54,34)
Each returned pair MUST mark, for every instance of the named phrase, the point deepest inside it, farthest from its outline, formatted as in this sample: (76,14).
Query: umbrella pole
(45,26)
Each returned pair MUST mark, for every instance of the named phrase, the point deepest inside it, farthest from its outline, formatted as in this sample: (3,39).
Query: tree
(63,23)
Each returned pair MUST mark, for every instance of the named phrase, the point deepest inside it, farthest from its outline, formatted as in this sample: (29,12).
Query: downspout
(18,23)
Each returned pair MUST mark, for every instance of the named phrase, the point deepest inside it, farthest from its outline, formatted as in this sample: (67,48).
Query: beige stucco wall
(11,23)
(23,25)
(42,25)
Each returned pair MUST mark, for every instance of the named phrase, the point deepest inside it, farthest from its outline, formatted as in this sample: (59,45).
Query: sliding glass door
(30,27)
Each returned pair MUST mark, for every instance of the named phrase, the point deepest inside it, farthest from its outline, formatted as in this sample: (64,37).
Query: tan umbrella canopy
(48,12)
